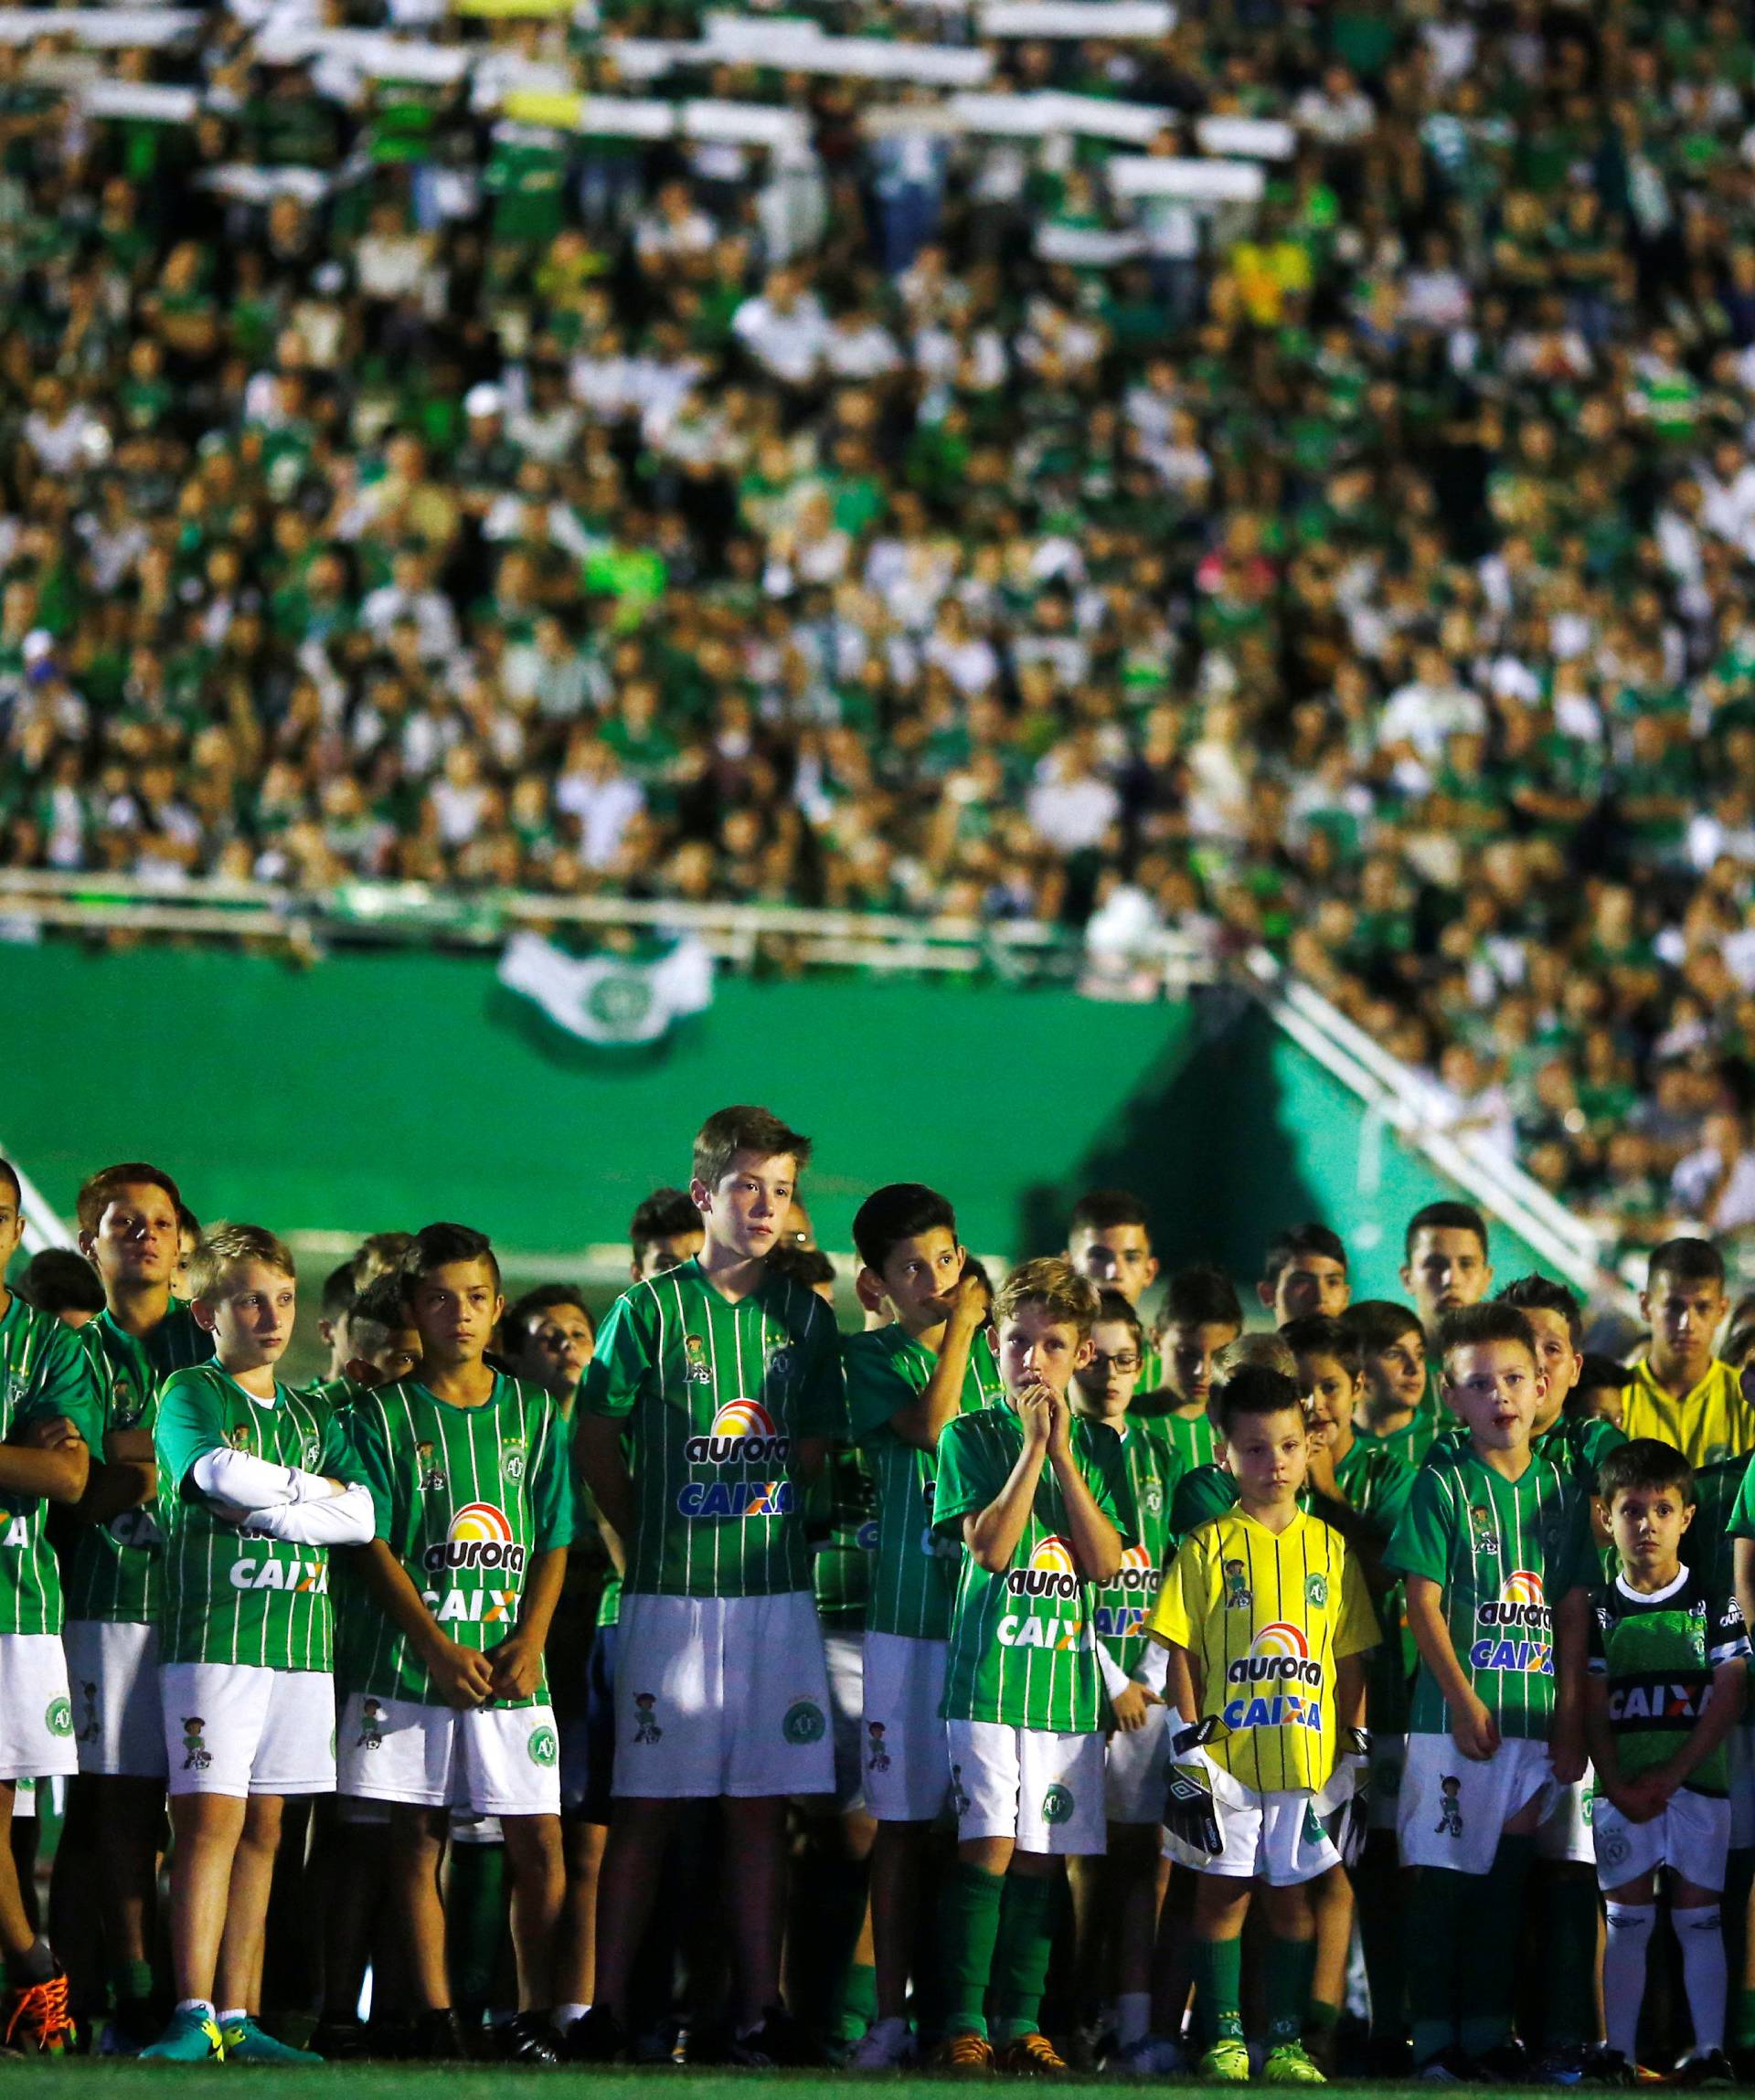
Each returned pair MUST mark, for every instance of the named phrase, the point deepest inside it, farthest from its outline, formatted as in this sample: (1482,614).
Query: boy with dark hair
(1495,1550)
(1392,1409)
(127,1220)
(664,1232)
(548,1336)
(250,1506)
(1600,1392)
(1208,1491)
(379,1253)
(1109,1239)
(905,1382)
(474,1515)
(49,1412)
(338,1295)
(1306,1274)
(60,1281)
(1444,1261)
(1040,1500)
(724,1383)
(1681,1394)
(1269,1605)
(1667,1661)
(189,1237)
(1199,1316)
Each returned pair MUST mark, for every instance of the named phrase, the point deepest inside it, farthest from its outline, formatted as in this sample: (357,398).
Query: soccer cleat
(1449,2067)
(1030,2057)
(340,2040)
(528,2038)
(886,2045)
(597,2037)
(776,2043)
(1290,2064)
(1562,2067)
(1227,2063)
(191,2037)
(1151,2056)
(1605,2066)
(965,2056)
(1710,2069)
(35,2019)
(247,2043)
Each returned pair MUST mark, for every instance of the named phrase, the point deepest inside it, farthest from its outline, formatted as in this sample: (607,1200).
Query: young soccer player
(1116,1899)
(189,1237)
(127,1217)
(1109,1239)
(337,1300)
(1667,1660)
(251,1504)
(1392,1409)
(548,1336)
(905,1382)
(726,1385)
(60,1281)
(1040,1500)
(1266,1619)
(1444,1266)
(49,1412)
(1199,1317)
(473,1514)
(664,1232)
(1306,1274)
(1209,1490)
(1681,1394)
(1495,1551)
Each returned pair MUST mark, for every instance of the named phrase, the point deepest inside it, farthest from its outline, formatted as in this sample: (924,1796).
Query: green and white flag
(609,999)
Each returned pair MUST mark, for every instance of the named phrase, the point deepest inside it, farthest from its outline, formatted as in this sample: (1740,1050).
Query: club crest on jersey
(743,1433)
(1278,1684)
(1481,1529)
(1516,1627)
(780,1360)
(1316,1592)
(697,1369)
(1139,1577)
(433,1474)
(17,1533)
(512,1464)
(313,1454)
(1152,1499)
(127,1406)
(480,1537)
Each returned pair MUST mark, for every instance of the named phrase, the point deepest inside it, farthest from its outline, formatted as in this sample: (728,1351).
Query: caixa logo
(735,1498)
(743,1433)
(480,1537)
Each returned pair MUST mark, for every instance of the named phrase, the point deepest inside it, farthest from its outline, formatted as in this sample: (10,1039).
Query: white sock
(1702,1936)
(1133,2016)
(565,2015)
(204,2005)
(237,2013)
(1623,1972)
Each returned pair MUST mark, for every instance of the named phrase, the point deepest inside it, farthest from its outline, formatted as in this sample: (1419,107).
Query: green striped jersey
(1503,1553)
(114,1571)
(1578,1443)
(1120,1608)
(1709,1543)
(1657,1651)
(351,1611)
(717,1396)
(914,1575)
(1377,1484)
(1411,1442)
(1191,1437)
(462,1496)
(1023,1644)
(45,1372)
(224,1598)
(842,1524)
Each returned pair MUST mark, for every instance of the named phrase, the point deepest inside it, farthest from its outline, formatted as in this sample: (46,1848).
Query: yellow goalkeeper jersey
(1265,1617)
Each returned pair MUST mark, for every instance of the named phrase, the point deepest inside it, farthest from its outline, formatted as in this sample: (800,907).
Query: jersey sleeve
(370,1457)
(620,1363)
(553,1508)
(67,1384)
(1421,1544)
(188,1425)
(822,1396)
(1729,1640)
(1202,1495)
(1358,1627)
(1181,1603)
(1741,1522)
(965,1484)
(877,1385)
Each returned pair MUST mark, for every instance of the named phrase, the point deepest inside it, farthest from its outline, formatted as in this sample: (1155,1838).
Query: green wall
(371,1091)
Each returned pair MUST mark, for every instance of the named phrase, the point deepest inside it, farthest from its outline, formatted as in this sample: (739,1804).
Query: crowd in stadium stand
(895,519)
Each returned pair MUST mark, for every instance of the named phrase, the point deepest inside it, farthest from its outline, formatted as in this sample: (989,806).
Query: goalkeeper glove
(1190,1809)
(1348,1794)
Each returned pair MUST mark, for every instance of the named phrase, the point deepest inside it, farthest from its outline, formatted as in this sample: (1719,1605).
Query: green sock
(854,2004)
(1742,2032)
(970,1915)
(1287,1971)
(1025,1941)
(1569,1943)
(1487,1969)
(1434,1904)
(1217,1968)
(475,1921)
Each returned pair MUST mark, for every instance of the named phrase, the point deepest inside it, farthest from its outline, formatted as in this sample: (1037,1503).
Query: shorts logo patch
(876,1755)
(372,1718)
(1058,1804)
(196,1756)
(1238,1597)
(512,1465)
(58,1719)
(542,1747)
(1450,1810)
(804,1722)
(1613,1848)
(1316,1592)
(959,1792)
(645,1722)
(91,1725)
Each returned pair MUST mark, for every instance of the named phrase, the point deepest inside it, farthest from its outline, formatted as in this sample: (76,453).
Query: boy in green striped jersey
(1199,1317)
(48,1422)
(127,1218)
(905,1382)
(1109,1239)
(1495,1549)
(250,1505)
(473,1514)
(1116,1899)
(1040,1500)
(1392,1409)
(1306,1274)
(724,1382)
(1444,1266)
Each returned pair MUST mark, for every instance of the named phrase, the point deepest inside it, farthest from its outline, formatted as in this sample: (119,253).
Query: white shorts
(492,1760)
(844,1657)
(235,1728)
(1042,1789)
(720,1697)
(118,1718)
(1277,1837)
(1388,1756)
(1453,1809)
(1692,1835)
(1565,1831)
(1740,1744)
(1138,1770)
(907,1761)
(36,1718)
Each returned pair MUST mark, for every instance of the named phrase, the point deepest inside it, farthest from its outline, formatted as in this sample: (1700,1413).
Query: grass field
(90,2079)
